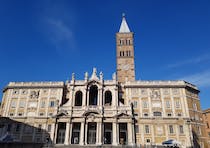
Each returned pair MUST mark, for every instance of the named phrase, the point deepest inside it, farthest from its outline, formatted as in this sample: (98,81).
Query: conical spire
(124,26)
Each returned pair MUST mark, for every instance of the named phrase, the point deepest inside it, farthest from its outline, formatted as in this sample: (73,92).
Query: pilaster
(66,141)
(99,133)
(130,133)
(82,133)
(115,133)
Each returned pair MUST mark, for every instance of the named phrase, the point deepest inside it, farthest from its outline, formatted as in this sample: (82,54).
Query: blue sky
(47,40)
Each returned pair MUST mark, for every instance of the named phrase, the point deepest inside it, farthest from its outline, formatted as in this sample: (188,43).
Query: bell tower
(125,53)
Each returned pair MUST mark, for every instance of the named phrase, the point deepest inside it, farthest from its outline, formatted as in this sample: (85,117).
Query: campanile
(125,53)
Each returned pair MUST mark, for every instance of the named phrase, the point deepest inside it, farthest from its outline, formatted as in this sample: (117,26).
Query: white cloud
(201,79)
(194,60)
(61,35)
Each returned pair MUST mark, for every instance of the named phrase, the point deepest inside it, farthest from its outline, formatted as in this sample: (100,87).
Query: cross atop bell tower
(125,53)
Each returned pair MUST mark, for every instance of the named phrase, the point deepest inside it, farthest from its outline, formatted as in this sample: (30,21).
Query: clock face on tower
(126,67)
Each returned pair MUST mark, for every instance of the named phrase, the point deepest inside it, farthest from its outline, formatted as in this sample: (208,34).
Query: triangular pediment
(122,115)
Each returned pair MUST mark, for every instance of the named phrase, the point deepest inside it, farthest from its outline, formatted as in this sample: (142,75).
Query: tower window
(127,53)
(123,53)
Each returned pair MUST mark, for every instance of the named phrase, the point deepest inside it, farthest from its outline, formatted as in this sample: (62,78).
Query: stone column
(130,133)
(82,132)
(66,141)
(84,94)
(70,132)
(86,130)
(115,133)
(52,131)
(87,98)
(55,133)
(99,133)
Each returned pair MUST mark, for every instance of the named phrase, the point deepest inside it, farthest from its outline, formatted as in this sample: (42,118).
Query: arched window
(93,95)
(78,98)
(108,98)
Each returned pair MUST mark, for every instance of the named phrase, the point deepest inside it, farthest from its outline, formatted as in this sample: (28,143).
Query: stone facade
(94,111)
(206,120)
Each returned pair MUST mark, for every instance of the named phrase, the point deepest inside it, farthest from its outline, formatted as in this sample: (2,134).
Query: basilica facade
(94,111)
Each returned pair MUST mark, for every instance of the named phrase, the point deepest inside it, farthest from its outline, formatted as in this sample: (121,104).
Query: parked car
(171,143)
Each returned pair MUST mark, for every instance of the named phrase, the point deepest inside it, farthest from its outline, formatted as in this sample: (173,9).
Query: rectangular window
(22,104)
(168,104)
(171,129)
(52,104)
(135,104)
(177,103)
(181,129)
(13,104)
(137,128)
(147,131)
(145,104)
(42,104)
(157,114)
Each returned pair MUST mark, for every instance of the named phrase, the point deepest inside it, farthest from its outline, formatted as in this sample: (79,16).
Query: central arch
(93,95)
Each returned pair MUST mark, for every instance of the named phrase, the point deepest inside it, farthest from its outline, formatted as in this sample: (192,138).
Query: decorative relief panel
(135,92)
(54,91)
(175,91)
(143,92)
(156,104)
(34,94)
(166,91)
(155,94)
(159,130)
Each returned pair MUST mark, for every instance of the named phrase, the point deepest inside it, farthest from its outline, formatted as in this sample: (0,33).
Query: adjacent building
(94,111)
(206,120)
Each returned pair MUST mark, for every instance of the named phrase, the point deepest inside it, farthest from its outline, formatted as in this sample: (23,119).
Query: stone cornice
(171,84)
(49,84)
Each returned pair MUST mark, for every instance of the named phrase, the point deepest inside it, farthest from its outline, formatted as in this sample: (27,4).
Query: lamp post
(190,133)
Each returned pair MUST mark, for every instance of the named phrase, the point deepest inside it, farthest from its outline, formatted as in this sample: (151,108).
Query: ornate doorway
(61,133)
(123,133)
(107,133)
(91,133)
